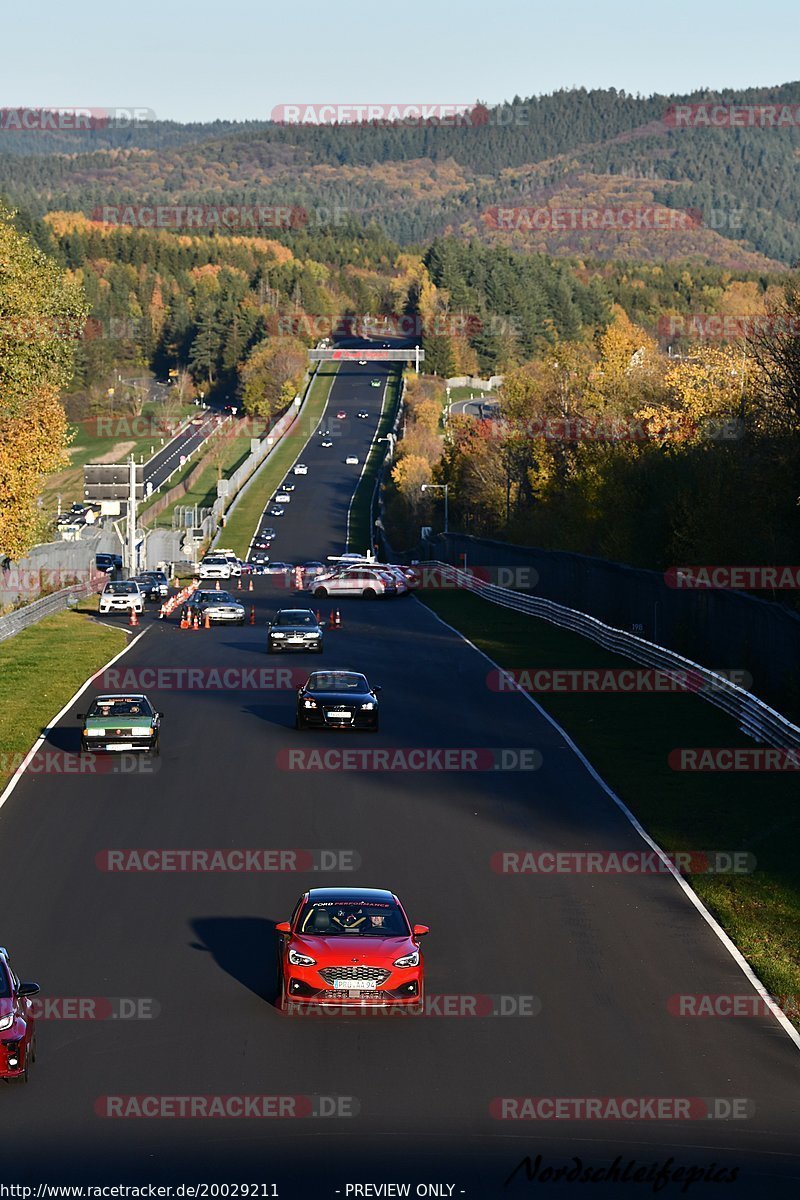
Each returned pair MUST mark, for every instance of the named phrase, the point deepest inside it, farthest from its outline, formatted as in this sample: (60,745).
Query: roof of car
(350,893)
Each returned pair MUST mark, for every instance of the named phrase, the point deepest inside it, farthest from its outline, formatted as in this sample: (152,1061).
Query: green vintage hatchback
(120,723)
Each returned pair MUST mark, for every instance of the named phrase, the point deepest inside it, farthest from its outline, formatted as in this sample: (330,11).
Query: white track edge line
(23,766)
(710,920)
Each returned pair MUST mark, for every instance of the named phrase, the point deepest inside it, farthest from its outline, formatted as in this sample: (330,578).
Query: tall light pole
(424,487)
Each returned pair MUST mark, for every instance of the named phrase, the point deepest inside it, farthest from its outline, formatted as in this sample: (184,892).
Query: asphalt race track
(165,461)
(582,964)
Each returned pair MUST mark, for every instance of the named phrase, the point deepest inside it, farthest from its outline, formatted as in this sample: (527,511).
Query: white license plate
(333,716)
(295,639)
(355,985)
(118,745)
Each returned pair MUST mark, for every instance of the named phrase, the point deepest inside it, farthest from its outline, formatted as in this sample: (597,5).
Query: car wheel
(299,723)
(156,746)
(369,593)
(33,1049)
(84,746)
(321,592)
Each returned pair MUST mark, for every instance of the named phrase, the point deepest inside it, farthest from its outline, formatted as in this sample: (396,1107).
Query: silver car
(219,607)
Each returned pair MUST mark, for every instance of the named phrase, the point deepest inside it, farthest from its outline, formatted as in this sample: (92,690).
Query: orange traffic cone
(133,619)
(196,622)
(163,612)
(331,622)
(217,585)
(319,617)
(239,584)
(250,587)
(207,621)
(338,619)
(252,614)
(184,619)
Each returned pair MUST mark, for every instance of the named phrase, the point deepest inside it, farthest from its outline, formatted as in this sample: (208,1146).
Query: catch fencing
(719,627)
(755,718)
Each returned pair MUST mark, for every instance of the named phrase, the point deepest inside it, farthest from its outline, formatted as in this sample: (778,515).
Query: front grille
(355,973)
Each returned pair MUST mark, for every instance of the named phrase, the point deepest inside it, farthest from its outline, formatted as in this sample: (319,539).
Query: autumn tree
(272,375)
(42,315)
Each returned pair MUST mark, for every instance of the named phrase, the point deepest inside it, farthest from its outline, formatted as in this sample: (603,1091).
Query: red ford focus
(17,1023)
(349,947)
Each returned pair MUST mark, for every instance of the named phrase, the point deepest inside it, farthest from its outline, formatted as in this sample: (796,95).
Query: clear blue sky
(237,60)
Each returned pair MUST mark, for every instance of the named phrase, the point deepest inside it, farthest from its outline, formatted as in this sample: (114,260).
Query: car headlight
(368,706)
(7,1022)
(309,703)
(300,960)
(313,635)
(277,635)
(408,960)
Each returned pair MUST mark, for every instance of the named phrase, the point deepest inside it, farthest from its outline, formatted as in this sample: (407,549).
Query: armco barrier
(14,622)
(755,718)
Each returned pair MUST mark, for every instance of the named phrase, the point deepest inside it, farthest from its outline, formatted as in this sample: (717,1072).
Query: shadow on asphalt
(243,947)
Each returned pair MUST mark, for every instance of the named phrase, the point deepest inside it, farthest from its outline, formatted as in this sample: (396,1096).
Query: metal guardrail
(754,717)
(30,614)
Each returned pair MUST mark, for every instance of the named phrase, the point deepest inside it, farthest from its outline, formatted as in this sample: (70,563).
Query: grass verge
(40,668)
(359,533)
(243,518)
(627,738)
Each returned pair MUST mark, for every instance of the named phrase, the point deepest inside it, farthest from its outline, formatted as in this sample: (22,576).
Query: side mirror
(28,989)
(159,716)
(283,927)
(421,930)
(80,716)
(377,688)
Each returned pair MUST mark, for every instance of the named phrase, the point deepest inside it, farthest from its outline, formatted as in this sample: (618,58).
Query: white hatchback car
(354,581)
(351,460)
(300,469)
(120,595)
